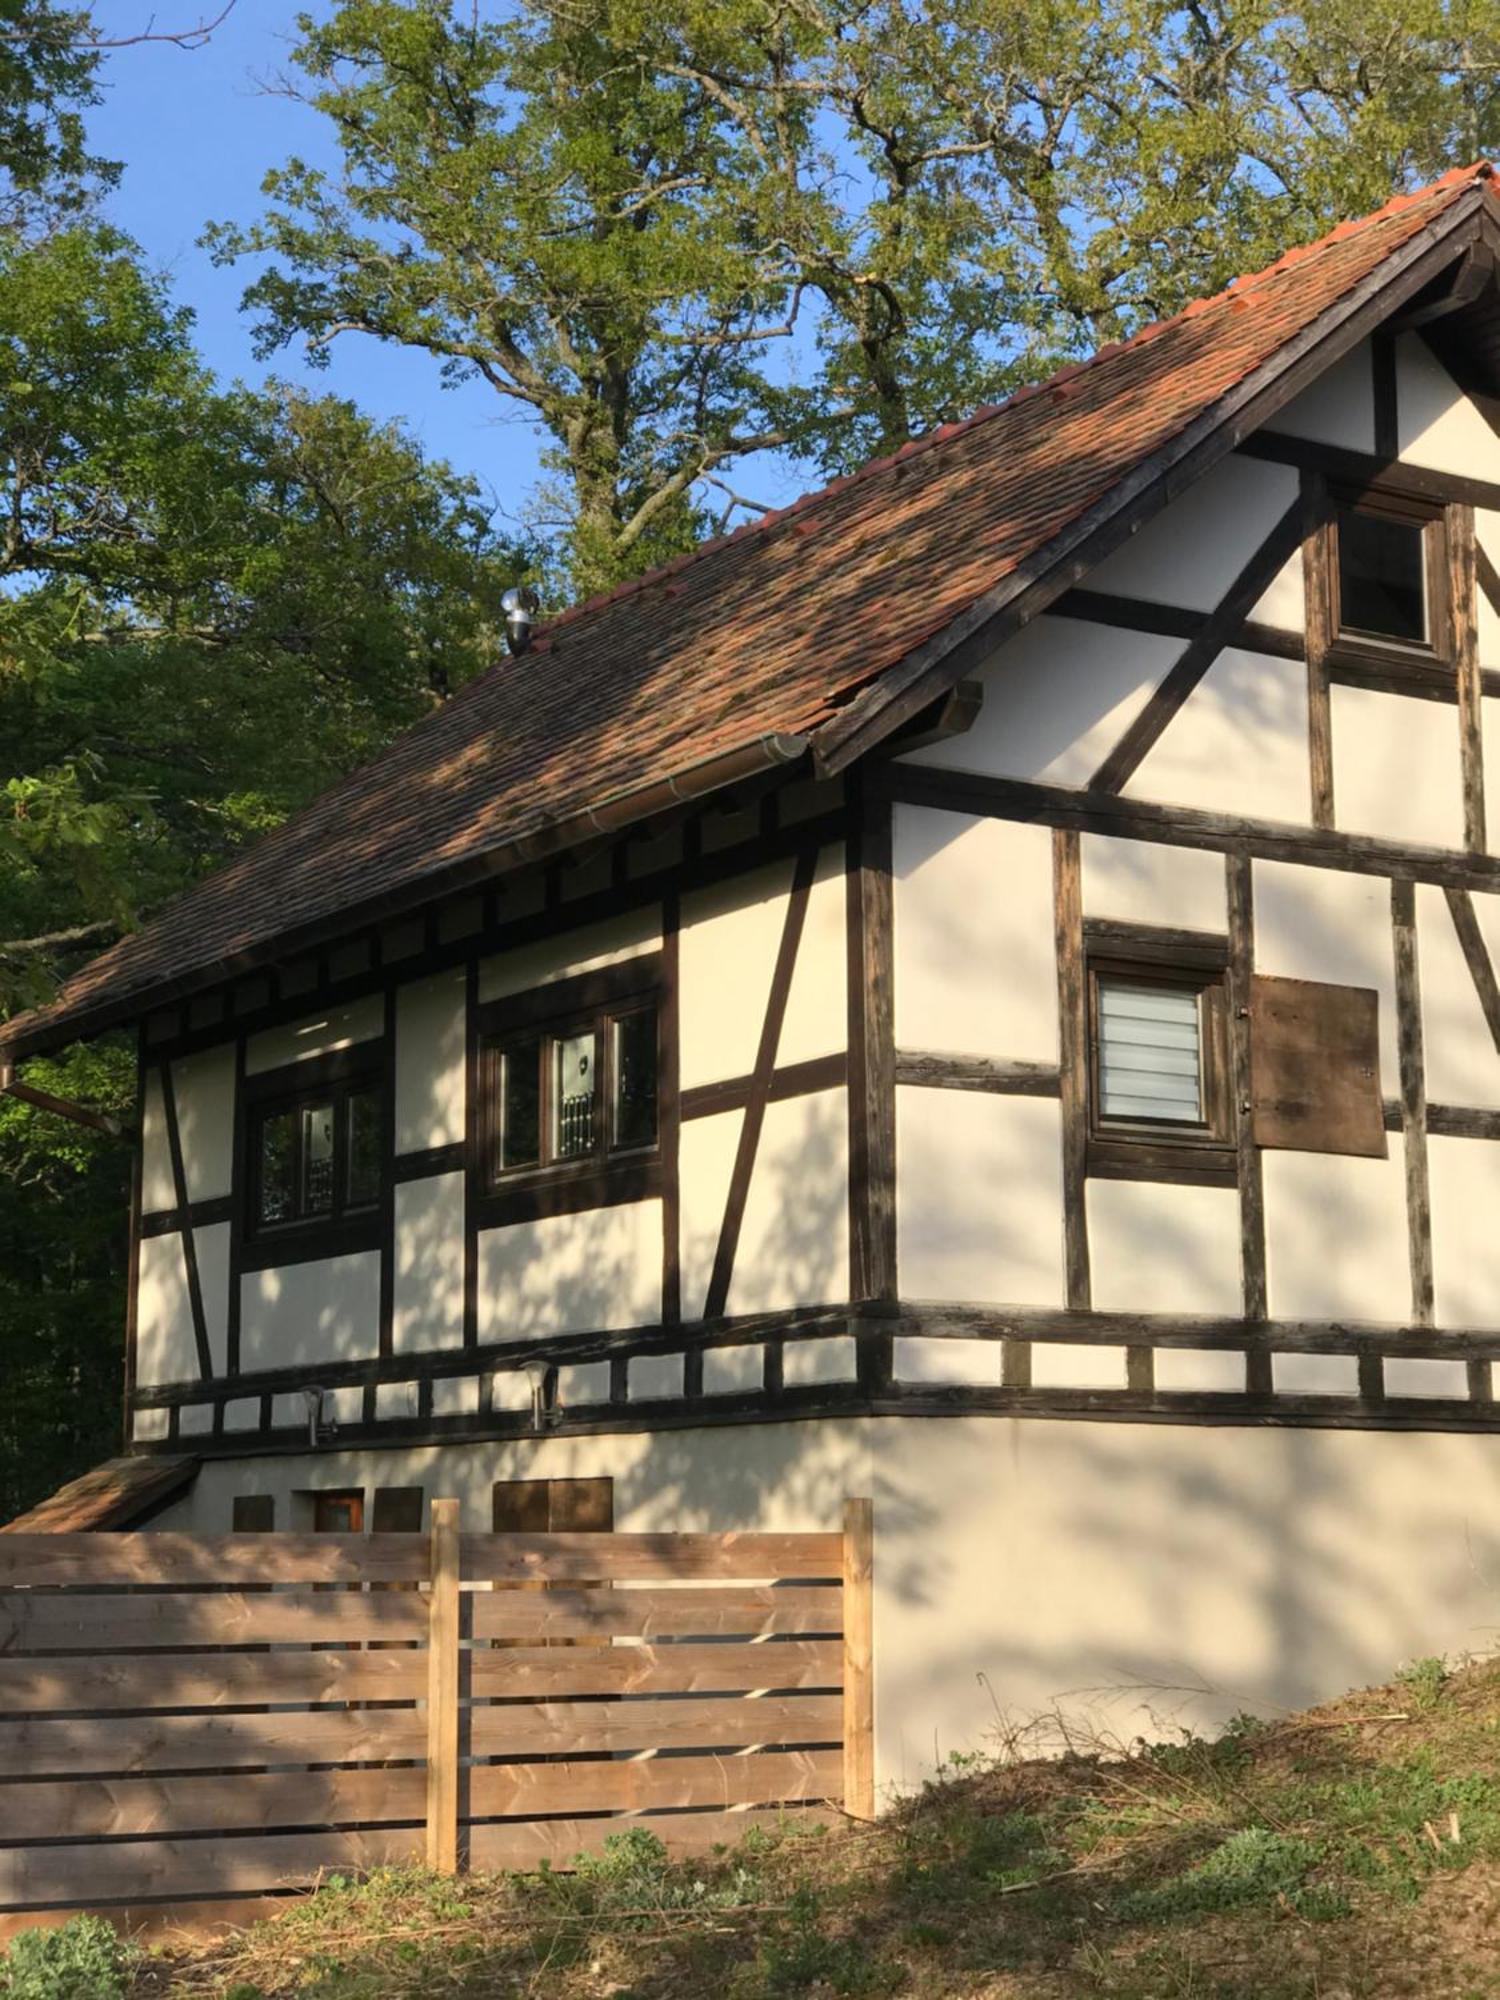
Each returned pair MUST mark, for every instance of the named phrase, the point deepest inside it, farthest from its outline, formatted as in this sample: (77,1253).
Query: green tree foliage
(676,233)
(47,81)
(212,602)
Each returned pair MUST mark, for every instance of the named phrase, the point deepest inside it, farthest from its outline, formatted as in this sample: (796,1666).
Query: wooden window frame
(352,1497)
(320,1080)
(546,1014)
(1364,658)
(1148,1149)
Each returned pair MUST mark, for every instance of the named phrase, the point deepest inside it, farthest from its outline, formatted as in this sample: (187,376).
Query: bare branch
(191,38)
(33,947)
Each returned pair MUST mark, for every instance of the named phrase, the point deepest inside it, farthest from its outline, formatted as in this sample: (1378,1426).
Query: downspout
(60,1107)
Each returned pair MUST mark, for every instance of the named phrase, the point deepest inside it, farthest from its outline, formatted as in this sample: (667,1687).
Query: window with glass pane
(1150,1052)
(635,1079)
(521,1105)
(320,1157)
(278,1167)
(1383,577)
(363,1189)
(316,1193)
(575,1084)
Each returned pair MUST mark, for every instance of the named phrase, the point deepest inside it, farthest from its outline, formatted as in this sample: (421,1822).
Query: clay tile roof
(117,1494)
(768,633)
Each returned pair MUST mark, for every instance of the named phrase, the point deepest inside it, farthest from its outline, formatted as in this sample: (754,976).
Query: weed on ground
(1353,1851)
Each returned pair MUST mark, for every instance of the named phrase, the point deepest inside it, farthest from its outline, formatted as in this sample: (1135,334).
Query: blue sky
(196,131)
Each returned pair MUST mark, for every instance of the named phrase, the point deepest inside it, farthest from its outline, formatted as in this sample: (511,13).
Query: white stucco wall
(1336,1244)
(203,1086)
(1318,923)
(975,969)
(1436,424)
(165,1350)
(318,1034)
(1193,550)
(1463,1066)
(584,950)
(1141,1577)
(427,1298)
(1057,698)
(1396,769)
(1149,882)
(979,1197)
(730,935)
(1159,1248)
(299,1314)
(1237,745)
(571,1273)
(430,1041)
(1339,408)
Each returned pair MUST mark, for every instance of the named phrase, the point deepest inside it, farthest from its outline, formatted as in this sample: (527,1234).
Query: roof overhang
(611,816)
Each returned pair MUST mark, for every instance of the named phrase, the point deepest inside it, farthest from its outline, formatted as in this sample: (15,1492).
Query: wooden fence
(190,1725)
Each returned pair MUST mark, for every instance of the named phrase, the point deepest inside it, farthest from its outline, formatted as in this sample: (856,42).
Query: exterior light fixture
(520,607)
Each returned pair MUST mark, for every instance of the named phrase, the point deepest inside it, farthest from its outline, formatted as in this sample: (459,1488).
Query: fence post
(442,1691)
(859,1659)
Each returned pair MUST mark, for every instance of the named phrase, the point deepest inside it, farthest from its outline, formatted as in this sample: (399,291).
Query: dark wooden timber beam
(1184,826)
(1364,472)
(62,1107)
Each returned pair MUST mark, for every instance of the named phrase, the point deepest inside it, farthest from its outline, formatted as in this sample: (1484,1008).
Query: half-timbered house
(979,988)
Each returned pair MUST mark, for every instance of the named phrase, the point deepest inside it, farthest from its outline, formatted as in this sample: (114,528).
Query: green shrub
(85,1959)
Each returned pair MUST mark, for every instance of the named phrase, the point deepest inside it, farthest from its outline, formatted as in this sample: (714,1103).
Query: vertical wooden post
(442,1691)
(859,1659)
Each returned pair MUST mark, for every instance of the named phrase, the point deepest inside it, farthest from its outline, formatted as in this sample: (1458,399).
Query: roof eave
(772,751)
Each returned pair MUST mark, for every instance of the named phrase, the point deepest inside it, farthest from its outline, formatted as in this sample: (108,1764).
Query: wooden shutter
(254,1514)
(1315,1068)
(397,1510)
(580,1506)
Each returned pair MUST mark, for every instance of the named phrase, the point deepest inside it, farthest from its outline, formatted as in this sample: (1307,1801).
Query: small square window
(1386,575)
(1383,577)
(1159,1101)
(576,1094)
(317,1157)
(1150,1052)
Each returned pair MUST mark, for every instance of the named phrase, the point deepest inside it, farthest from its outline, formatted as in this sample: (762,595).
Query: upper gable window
(1387,571)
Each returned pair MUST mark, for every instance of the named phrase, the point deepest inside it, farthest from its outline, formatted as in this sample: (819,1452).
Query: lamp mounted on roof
(520,606)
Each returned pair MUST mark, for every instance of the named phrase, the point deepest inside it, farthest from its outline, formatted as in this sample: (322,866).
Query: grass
(1351,1851)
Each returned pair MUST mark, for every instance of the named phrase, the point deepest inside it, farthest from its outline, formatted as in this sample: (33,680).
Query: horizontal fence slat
(209,1680)
(211,1559)
(68,1621)
(603,1558)
(532,1728)
(766,1779)
(159,1922)
(549,1673)
(745,1610)
(98,1873)
(40,1747)
(83,1808)
(524,1845)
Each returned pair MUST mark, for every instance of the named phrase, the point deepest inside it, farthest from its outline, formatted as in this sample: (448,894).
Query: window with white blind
(1158,1070)
(1150,1052)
